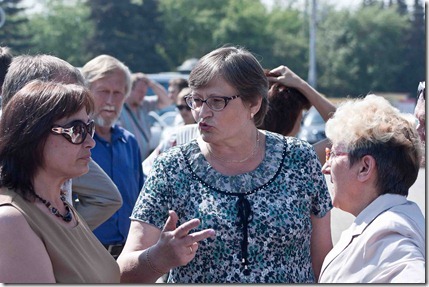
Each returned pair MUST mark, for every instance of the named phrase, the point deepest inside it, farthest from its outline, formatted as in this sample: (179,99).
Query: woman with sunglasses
(259,196)
(46,139)
(373,162)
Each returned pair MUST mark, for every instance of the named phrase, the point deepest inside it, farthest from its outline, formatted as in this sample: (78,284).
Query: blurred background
(343,48)
(359,46)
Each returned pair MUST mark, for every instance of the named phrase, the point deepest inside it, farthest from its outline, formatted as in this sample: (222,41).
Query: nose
(89,142)
(109,98)
(204,111)
(326,168)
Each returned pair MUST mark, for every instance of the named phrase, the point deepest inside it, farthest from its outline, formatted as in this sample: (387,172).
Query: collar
(374,209)
(117,134)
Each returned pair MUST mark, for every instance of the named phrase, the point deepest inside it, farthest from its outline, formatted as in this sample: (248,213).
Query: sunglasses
(183,107)
(76,131)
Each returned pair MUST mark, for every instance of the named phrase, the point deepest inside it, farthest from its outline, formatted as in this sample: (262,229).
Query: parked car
(164,77)
(312,127)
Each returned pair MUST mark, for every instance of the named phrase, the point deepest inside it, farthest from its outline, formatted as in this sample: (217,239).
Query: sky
(340,4)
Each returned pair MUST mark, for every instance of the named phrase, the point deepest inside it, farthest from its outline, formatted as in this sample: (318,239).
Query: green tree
(13,33)
(129,30)
(288,43)
(245,24)
(189,27)
(62,30)
(361,52)
(415,52)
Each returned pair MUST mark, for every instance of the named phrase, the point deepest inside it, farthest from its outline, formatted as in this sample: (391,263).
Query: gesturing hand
(176,246)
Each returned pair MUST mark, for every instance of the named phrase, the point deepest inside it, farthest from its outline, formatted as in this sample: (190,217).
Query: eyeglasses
(183,107)
(214,103)
(331,154)
(421,88)
(76,131)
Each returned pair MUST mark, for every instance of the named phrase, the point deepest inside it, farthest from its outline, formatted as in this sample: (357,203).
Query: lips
(86,157)
(204,126)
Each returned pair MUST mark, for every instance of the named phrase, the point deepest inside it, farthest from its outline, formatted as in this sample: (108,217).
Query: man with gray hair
(116,150)
(96,196)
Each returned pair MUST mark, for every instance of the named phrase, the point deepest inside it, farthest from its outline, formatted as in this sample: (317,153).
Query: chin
(103,122)
(82,171)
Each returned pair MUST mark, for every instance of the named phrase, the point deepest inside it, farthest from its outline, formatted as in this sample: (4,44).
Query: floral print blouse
(261,218)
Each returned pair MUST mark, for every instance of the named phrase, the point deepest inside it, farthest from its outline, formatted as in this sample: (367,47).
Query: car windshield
(313,118)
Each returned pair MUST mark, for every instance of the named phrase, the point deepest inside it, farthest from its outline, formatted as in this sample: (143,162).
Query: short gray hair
(103,65)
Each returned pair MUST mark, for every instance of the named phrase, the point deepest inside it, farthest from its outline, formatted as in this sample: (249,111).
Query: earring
(251,115)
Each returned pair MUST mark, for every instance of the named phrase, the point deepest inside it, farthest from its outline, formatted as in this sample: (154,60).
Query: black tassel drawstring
(245,215)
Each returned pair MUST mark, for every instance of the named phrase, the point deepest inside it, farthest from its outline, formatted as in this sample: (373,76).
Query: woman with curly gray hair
(373,162)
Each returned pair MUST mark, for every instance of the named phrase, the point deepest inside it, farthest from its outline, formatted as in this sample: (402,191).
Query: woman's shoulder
(18,242)
(9,213)
(11,217)
(13,224)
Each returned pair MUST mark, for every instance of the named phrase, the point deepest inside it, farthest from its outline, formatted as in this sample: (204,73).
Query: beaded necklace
(66,217)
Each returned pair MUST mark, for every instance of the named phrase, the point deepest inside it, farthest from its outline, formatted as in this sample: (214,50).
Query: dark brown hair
(284,106)
(25,125)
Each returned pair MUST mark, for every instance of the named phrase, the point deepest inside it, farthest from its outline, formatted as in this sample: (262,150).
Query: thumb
(171,223)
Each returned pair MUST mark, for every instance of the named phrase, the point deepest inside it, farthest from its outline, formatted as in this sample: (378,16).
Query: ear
(367,168)
(254,109)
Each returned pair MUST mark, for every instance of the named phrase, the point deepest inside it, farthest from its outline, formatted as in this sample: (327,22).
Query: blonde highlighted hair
(373,126)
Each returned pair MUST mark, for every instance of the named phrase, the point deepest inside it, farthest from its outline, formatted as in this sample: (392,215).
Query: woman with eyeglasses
(373,162)
(241,205)
(170,138)
(46,139)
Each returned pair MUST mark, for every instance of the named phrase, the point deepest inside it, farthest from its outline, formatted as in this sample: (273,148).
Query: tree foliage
(13,33)
(377,47)
(129,30)
(62,30)
(363,54)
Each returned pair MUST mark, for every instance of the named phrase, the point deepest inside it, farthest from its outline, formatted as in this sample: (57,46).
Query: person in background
(374,160)
(184,109)
(117,150)
(420,114)
(94,195)
(45,139)
(288,97)
(170,139)
(135,114)
(175,86)
(262,194)
(5,60)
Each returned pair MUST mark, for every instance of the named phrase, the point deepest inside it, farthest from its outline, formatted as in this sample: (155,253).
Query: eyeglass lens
(183,107)
(76,131)
(214,103)
(328,154)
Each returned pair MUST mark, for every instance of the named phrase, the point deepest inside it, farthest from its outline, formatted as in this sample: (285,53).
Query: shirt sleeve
(152,205)
(321,198)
